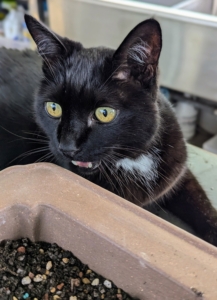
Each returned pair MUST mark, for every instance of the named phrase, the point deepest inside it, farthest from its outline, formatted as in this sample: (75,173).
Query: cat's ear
(137,57)
(48,43)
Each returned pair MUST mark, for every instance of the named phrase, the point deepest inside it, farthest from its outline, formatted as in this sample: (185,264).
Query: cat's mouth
(86,165)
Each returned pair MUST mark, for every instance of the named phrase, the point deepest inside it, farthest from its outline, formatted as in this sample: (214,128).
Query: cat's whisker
(149,191)
(36,134)
(19,136)
(34,151)
(32,141)
(116,154)
(132,149)
(106,176)
(129,178)
(119,179)
(47,80)
(152,152)
(52,159)
(28,153)
(136,179)
(45,157)
(150,194)
(116,177)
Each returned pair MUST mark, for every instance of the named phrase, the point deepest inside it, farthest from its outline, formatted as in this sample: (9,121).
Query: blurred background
(188,64)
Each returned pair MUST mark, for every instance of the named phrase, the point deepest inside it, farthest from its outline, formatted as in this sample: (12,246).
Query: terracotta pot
(143,254)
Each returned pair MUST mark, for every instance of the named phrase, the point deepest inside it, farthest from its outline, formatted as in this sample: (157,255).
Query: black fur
(80,80)
(20,74)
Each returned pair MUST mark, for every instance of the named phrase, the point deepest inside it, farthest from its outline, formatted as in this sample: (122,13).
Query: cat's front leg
(190,203)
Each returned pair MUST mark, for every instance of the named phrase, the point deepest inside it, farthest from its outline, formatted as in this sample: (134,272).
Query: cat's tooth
(90,165)
(74,162)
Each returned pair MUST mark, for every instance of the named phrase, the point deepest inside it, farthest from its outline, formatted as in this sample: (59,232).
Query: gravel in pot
(44,271)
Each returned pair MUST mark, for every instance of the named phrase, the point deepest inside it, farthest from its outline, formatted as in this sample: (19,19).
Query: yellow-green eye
(105,114)
(53,109)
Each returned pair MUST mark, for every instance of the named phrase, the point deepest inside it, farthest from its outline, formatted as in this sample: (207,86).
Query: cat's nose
(68,150)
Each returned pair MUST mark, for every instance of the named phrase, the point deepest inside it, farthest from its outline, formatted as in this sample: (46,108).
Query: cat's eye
(105,114)
(53,109)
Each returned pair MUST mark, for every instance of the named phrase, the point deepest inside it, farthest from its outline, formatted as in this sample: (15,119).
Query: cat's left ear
(137,57)
(49,44)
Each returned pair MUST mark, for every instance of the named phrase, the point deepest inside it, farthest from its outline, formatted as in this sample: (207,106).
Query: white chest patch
(145,166)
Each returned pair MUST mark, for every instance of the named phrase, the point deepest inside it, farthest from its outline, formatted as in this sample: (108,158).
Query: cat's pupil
(105,113)
(53,106)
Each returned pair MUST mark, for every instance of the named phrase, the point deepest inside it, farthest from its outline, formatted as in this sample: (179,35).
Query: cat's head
(97,105)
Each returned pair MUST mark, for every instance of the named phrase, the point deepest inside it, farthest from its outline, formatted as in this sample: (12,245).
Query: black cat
(104,119)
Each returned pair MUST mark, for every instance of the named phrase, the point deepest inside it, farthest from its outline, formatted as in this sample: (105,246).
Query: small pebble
(35,298)
(26,280)
(49,265)
(14,298)
(21,271)
(38,278)
(95,281)
(31,286)
(119,296)
(73,298)
(31,275)
(52,290)
(60,286)
(89,271)
(72,284)
(107,283)
(44,277)
(77,281)
(102,291)
(95,294)
(65,260)
(47,272)
(41,251)
(46,297)
(25,296)
(21,257)
(55,297)
(80,274)
(21,249)
(85,280)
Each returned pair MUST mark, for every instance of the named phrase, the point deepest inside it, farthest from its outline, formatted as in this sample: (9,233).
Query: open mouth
(86,165)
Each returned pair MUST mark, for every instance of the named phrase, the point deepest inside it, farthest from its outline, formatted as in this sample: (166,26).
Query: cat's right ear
(50,45)
(137,57)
